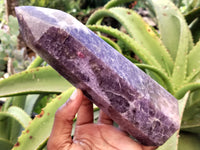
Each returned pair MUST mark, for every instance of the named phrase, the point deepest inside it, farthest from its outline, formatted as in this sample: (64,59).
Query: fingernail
(74,95)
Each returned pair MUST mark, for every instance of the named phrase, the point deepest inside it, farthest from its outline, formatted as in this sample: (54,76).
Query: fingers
(104,119)
(85,112)
(61,132)
(149,147)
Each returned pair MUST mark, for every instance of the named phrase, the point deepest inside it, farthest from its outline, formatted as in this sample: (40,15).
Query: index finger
(61,132)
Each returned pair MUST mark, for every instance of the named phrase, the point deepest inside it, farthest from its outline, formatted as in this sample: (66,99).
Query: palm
(101,136)
(88,136)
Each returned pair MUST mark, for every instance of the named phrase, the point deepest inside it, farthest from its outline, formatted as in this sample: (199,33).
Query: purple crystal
(130,97)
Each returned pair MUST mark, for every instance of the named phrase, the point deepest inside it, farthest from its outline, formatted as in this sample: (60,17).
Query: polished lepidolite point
(130,97)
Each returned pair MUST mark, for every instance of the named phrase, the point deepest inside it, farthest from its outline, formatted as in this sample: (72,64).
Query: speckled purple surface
(131,98)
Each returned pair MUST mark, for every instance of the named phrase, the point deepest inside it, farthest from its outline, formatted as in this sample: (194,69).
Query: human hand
(88,135)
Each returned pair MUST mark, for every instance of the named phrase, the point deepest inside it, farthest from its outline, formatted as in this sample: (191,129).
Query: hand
(88,135)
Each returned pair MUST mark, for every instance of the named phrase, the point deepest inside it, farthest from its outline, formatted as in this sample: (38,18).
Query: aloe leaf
(180,66)
(193,60)
(7,104)
(143,34)
(133,60)
(192,15)
(8,122)
(19,101)
(4,127)
(141,52)
(15,126)
(5,144)
(191,4)
(39,129)
(42,101)
(139,30)
(185,88)
(37,62)
(38,80)
(191,116)
(192,125)
(30,103)
(194,98)
(169,25)
(20,115)
(161,74)
(172,142)
(192,112)
(177,37)
(17,114)
(114,3)
(112,43)
(15,129)
(194,76)
(43,146)
(194,27)
(189,141)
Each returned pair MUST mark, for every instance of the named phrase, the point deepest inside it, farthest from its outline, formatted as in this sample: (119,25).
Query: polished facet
(130,97)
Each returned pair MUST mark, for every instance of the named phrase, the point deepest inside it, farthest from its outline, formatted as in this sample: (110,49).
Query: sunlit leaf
(38,80)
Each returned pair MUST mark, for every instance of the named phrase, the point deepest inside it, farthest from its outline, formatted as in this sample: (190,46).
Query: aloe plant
(170,56)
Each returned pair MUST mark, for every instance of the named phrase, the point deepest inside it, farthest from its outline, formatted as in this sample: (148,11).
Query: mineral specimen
(130,97)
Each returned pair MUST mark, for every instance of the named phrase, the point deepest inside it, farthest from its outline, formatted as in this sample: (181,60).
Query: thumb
(61,132)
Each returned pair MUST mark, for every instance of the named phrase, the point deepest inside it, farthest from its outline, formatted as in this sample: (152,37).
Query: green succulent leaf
(31,100)
(172,142)
(191,125)
(17,114)
(20,115)
(38,80)
(37,62)
(193,76)
(191,116)
(5,144)
(193,98)
(189,141)
(15,125)
(112,43)
(169,25)
(176,36)
(133,60)
(193,60)
(39,129)
(141,32)
(180,66)
(141,52)
(192,15)
(161,74)
(194,27)
(15,129)
(185,88)
(7,104)
(114,3)
(4,127)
